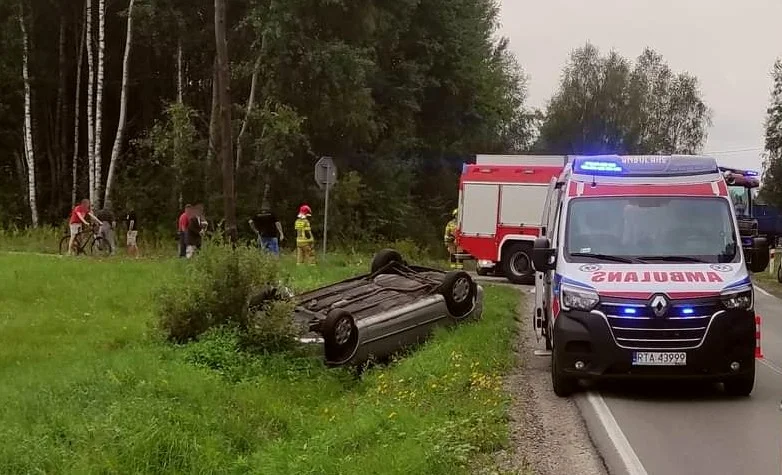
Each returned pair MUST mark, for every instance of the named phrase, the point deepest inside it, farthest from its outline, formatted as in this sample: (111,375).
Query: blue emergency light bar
(644,165)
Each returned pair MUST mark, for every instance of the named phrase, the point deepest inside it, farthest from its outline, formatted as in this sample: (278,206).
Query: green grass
(88,387)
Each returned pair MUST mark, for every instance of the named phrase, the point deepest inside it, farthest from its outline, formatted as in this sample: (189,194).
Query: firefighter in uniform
(450,241)
(305,242)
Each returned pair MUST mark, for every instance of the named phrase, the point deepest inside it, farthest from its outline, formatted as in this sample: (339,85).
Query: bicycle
(86,237)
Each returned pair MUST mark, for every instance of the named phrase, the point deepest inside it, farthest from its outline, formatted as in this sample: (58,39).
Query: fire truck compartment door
(522,204)
(479,216)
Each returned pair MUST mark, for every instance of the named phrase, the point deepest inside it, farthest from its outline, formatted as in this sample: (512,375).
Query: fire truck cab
(501,198)
(641,274)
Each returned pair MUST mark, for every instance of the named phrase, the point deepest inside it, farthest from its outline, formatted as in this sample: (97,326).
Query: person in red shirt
(184,220)
(79,216)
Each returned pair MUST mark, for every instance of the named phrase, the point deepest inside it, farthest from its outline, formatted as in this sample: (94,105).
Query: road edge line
(763,291)
(626,453)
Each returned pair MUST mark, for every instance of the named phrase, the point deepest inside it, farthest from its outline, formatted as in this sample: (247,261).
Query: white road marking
(763,291)
(770,366)
(629,458)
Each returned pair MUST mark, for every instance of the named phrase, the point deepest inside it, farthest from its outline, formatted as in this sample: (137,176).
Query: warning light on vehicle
(629,311)
(750,173)
(687,311)
(596,166)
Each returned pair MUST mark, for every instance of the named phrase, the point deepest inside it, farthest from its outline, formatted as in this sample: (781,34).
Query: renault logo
(659,305)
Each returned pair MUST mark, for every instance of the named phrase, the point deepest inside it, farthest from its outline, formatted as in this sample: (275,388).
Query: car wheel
(459,290)
(741,385)
(340,336)
(385,257)
(517,264)
(563,384)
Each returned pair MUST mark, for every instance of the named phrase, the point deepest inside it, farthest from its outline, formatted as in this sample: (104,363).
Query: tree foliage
(771,191)
(606,104)
(399,93)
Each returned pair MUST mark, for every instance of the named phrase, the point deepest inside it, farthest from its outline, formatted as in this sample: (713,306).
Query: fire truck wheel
(517,263)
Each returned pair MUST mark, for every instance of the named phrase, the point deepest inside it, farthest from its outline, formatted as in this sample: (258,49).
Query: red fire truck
(501,203)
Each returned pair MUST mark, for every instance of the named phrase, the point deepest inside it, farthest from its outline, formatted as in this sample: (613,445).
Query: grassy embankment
(89,387)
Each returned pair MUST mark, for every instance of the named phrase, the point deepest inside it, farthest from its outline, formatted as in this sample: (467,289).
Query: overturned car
(375,315)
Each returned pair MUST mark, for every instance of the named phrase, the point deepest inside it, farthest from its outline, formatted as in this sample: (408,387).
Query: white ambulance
(641,273)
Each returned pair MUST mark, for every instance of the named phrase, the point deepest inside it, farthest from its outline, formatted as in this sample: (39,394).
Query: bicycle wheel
(64,244)
(99,246)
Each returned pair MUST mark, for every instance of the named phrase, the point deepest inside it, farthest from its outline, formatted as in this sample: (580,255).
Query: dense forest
(117,100)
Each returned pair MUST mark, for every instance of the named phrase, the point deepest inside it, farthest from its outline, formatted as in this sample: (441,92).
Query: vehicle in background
(641,274)
(741,185)
(501,198)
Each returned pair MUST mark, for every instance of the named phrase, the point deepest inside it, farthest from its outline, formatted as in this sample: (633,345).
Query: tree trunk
(250,103)
(179,74)
(76,118)
(59,113)
(29,152)
(226,138)
(90,104)
(123,106)
(99,99)
(213,117)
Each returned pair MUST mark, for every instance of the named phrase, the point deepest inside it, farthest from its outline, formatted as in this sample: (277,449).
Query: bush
(214,290)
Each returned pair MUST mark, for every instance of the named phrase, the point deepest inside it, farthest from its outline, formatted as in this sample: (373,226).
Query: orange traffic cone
(758,350)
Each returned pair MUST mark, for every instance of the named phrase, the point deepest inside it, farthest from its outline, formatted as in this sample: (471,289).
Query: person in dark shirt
(195,229)
(269,230)
(132,236)
(107,225)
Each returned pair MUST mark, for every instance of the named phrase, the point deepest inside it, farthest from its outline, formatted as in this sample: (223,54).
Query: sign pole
(326,210)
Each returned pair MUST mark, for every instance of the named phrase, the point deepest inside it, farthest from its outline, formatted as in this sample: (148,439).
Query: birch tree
(99,98)
(250,104)
(77,114)
(115,151)
(90,105)
(29,152)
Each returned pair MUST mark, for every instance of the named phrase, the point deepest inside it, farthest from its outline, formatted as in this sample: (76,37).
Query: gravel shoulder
(548,435)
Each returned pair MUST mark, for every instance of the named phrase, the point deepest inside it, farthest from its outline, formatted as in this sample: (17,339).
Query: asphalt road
(692,429)
(695,429)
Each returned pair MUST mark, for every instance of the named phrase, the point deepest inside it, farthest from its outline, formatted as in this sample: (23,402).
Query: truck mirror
(543,256)
(759,258)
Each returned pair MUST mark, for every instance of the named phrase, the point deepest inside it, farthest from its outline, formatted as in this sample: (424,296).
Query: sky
(730,46)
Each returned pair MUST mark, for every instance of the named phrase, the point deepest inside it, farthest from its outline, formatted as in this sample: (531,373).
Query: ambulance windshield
(651,229)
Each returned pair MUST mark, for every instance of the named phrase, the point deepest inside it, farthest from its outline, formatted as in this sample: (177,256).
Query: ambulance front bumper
(590,345)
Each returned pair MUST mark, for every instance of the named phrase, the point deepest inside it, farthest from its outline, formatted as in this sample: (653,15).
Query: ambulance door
(540,277)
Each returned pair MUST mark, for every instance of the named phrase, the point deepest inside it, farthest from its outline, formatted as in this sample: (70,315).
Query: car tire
(563,384)
(459,291)
(383,258)
(741,385)
(340,335)
(517,263)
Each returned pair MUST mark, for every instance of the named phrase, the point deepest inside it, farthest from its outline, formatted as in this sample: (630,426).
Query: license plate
(659,358)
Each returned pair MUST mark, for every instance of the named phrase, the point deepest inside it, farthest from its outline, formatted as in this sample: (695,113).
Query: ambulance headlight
(578,299)
(738,299)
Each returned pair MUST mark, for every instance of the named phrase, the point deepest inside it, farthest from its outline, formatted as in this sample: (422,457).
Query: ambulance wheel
(741,385)
(547,333)
(563,384)
(517,263)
